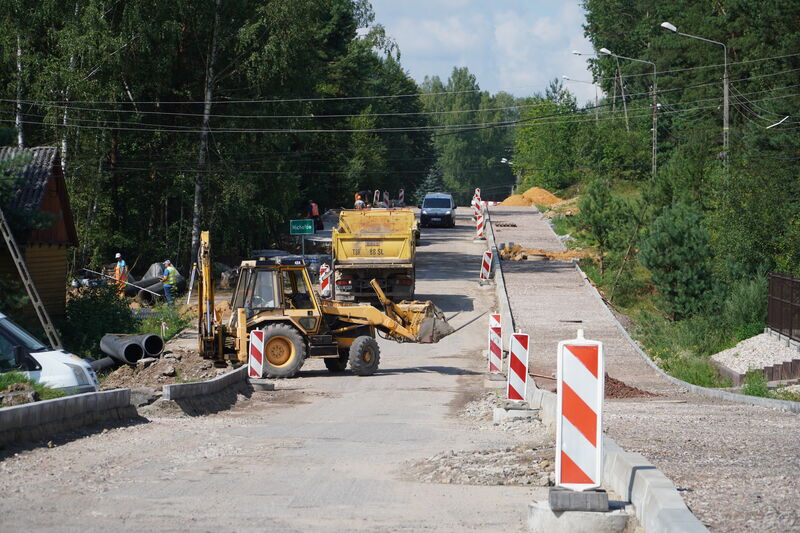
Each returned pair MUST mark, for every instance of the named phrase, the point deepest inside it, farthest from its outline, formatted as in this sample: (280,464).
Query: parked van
(437,209)
(57,369)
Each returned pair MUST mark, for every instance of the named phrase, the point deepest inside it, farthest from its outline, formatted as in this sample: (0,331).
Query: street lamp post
(621,87)
(654,162)
(725,105)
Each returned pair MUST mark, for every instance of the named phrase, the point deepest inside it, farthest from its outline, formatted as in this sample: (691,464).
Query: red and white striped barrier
(518,367)
(376,199)
(479,230)
(255,362)
(495,344)
(325,280)
(386,197)
(486,265)
(478,193)
(401,198)
(579,421)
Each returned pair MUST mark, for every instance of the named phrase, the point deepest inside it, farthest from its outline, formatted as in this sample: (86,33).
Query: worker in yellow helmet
(169,280)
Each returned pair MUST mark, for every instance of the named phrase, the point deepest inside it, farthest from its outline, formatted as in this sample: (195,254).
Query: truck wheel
(337,365)
(365,356)
(284,351)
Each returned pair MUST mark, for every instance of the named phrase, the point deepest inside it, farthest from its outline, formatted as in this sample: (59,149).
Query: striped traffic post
(325,280)
(495,344)
(386,197)
(401,198)
(579,419)
(479,231)
(486,266)
(518,367)
(255,362)
(376,199)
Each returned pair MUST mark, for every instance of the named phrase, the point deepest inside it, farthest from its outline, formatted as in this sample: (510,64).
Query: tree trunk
(202,156)
(18,114)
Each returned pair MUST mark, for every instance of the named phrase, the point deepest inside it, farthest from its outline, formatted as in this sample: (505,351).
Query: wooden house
(42,189)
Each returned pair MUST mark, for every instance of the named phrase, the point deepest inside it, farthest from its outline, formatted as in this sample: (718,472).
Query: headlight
(80,375)
(447,213)
(424,212)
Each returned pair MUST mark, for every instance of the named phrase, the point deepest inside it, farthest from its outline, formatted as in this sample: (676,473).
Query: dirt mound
(533,196)
(518,253)
(178,366)
(539,196)
(516,200)
(617,389)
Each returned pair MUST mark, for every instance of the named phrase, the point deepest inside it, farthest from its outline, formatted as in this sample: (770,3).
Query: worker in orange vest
(120,272)
(313,212)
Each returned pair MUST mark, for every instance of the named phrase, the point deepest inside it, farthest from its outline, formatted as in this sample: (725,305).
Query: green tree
(677,253)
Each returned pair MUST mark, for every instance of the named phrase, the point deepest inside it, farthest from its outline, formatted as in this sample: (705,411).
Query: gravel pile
(520,465)
(756,352)
(482,408)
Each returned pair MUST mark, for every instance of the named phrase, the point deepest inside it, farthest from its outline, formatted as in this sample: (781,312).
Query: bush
(93,313)
(744,311)
(755,384)
(676,251)
(173,317)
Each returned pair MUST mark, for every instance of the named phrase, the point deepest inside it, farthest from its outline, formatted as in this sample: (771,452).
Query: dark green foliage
(432,183)
(91,314)
(676,252)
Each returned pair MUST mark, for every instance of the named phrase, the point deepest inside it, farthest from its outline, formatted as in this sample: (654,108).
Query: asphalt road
(322,453)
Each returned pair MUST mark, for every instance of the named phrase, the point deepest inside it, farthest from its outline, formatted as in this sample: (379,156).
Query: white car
(57,369)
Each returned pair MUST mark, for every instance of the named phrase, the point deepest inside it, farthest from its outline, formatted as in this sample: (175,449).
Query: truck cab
(20,351)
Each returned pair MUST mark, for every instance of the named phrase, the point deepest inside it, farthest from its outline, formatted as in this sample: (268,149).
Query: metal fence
(783,314)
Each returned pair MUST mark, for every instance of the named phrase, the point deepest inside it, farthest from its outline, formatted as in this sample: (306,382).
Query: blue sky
(513,45)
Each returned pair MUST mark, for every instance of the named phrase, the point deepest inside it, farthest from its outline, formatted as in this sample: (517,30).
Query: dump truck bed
(376,236)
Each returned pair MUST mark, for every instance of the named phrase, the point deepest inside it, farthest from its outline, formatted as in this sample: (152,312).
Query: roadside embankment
(734,464)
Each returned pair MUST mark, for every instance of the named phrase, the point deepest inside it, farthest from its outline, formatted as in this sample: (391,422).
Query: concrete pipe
(123,348)
(100,364)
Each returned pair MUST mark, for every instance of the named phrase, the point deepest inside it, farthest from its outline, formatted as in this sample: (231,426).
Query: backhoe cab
(276,295)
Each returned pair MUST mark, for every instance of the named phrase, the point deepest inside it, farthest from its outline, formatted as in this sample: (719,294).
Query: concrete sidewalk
(734,464)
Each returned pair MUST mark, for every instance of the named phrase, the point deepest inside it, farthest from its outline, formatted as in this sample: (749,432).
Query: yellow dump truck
(374,244)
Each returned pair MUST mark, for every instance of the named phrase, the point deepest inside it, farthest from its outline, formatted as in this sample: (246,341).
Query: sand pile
(533,196)
(518,253)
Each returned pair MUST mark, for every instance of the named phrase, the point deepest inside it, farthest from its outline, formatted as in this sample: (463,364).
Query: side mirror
(19,356)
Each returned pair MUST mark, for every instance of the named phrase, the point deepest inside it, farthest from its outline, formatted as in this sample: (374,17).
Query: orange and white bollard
(479,227)
(579,420)
(325,280)
(401,198)
(255,361)
(486,266)
(495,354)
(517,386)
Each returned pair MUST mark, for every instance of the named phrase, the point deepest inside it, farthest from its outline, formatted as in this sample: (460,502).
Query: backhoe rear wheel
(365,355)
(284,351)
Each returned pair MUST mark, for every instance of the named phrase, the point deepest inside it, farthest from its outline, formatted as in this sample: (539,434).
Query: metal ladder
(25,275)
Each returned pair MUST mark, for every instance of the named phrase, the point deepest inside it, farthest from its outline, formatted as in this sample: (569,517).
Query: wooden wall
(48,267)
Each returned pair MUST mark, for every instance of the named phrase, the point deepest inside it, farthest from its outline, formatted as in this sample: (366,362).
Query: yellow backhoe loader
(276,295)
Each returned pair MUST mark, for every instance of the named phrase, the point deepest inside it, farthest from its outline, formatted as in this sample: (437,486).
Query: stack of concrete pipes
(128,349)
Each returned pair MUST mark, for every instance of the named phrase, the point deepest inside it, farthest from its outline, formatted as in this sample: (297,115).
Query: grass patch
(755,384)
(783,394)
(171,316)
(45,393)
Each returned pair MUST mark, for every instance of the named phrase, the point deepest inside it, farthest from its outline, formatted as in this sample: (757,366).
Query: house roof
(34,176)
(42,189)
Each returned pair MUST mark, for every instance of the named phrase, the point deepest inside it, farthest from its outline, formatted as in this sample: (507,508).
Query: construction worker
(359,204)
(120,272)
(169,279)
(313,212)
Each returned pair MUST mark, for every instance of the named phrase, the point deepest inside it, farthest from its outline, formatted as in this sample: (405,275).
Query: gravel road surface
(322,453)
(736,465)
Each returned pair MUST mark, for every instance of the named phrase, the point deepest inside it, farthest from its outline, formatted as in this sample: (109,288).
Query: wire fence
(783,315)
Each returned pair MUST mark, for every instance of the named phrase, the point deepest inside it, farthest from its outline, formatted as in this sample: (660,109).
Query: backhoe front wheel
(365,356)
(284,351)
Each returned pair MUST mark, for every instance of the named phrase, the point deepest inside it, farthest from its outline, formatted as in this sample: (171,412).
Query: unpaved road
(323,453)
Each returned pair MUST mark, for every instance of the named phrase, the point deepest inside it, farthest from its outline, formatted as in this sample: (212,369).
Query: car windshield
(436,203)
(21,336)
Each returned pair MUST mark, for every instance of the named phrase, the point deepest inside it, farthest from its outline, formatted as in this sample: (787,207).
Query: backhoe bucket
(427,321)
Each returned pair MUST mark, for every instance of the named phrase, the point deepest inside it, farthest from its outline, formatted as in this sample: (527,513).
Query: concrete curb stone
(47,418)
(185,391)
(659,507)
